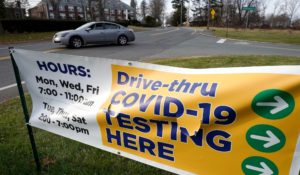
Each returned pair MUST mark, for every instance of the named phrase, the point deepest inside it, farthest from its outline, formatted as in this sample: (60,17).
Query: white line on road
(195,31)
(46,51)
(10,86)
(155,34)
(221,41)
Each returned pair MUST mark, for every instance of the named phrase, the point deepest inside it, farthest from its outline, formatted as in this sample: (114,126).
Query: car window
(99,26)
(111,26)
(92,26)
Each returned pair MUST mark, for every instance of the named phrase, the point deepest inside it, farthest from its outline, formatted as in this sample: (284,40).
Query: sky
(169,5)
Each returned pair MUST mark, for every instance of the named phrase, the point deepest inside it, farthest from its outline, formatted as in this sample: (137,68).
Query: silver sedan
(95,33)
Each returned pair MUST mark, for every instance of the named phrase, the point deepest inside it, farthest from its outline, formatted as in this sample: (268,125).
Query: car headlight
(64,34)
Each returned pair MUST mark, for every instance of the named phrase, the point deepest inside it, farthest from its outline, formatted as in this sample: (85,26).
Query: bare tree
(263,6)
(157,8)
(133,5)
(277,5)
(241,14)
(101,7)
(292,8)
(55,7)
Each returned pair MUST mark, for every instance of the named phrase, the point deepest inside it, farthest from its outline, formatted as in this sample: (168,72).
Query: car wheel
(122,40)
(76,42)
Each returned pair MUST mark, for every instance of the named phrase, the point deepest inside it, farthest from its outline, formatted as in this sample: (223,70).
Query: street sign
(213,13)
(249,8)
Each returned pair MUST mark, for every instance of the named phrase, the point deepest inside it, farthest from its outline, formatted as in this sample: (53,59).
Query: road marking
(279,48)
(54,50)
(155,34)
(221,41)
(4,58)
(10,86)
(46,51)
(195,31)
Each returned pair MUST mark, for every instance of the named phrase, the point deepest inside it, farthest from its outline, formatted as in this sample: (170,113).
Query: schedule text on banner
(187,121)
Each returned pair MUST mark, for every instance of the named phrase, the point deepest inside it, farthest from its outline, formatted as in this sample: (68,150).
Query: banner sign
(187,121)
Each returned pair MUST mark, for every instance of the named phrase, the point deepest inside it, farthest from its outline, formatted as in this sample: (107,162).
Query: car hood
(65,31)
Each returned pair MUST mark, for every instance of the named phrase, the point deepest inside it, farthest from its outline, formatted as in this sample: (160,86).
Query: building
(78,9)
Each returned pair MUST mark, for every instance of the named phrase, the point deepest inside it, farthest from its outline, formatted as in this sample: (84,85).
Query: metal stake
(25,110)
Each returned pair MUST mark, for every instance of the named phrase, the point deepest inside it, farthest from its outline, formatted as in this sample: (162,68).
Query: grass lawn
(64,156)
(275,36)
(8,38)
(228,61)
(137,28)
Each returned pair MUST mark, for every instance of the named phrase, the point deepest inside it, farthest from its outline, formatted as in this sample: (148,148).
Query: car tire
(76,42)
(122,40)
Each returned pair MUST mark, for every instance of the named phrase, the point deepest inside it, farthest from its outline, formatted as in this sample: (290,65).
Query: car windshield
(83,26)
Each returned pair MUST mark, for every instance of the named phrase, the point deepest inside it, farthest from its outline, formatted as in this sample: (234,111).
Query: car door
(96,34)
(111,32)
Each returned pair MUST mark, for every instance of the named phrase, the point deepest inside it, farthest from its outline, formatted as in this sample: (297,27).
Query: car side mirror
(88,29)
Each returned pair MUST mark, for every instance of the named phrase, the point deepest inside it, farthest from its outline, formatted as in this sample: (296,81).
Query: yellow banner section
(204,124)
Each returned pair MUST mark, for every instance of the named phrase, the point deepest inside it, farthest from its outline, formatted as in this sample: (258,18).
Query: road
(154,43)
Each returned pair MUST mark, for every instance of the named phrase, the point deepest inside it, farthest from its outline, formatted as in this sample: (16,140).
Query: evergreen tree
(144,9)
(2,9)
(176,4)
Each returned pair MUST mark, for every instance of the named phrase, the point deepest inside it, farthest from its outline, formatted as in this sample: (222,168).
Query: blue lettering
(122,120)
(164,149)
(110,136)
(123,75)
(226,145)
(128,143)
(167,107)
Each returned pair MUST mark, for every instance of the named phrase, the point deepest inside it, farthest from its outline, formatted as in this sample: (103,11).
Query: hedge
(42,25)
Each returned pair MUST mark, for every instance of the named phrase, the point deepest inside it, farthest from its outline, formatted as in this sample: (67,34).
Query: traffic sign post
(249,8)
(213,13)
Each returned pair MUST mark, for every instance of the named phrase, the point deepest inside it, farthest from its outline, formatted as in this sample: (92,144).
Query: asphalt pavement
(150,44)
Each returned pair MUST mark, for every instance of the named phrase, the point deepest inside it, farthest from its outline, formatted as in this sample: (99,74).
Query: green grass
(137,28)
(63,156)
(8,38)
(274,36)
(228,61)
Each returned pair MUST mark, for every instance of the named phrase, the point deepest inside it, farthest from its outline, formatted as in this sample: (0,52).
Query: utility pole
(227,4)
(247,19)
(208,14)
(181,12)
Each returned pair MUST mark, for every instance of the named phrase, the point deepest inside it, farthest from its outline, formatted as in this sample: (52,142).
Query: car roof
(104,22)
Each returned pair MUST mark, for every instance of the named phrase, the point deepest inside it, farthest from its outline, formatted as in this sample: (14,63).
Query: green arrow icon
(259,166)
(265,138)
(273,104)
